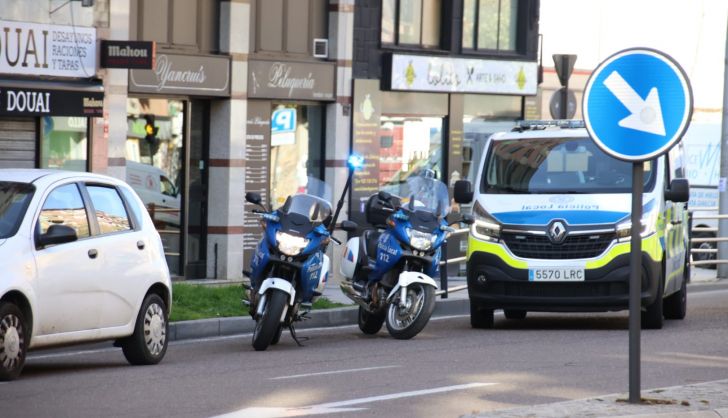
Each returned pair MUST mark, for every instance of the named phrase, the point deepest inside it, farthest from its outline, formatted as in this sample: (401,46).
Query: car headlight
(420,240)
(485,226)
(648,226)
(290,244)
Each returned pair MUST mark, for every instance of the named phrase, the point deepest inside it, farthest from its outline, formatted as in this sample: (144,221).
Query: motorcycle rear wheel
(267,326)
(405,322)
(370,323)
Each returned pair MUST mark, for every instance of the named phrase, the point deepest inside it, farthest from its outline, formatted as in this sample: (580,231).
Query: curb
(218,327)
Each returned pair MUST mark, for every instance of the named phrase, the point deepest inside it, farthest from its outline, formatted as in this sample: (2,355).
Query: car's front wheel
(14,335)
(149,342)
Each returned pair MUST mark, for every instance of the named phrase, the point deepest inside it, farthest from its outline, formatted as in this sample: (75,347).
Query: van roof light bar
(543,124)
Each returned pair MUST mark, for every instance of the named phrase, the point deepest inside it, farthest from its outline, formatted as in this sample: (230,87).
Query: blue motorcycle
(389,270)
(290,268)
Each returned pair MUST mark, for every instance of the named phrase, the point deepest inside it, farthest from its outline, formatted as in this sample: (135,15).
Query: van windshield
(558,165)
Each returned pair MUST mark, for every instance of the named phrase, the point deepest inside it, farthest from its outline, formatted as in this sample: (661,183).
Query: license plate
(556,274)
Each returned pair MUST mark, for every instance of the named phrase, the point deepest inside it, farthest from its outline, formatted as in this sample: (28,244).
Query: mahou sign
(128,54)
(54,50)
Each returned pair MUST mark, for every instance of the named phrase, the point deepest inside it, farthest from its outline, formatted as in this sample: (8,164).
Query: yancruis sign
(128,54)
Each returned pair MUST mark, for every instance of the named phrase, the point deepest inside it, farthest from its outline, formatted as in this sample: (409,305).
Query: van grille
(574,246)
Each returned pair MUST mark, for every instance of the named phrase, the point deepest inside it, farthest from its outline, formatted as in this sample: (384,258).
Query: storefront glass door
(154,168)
(197,191)
(408,145)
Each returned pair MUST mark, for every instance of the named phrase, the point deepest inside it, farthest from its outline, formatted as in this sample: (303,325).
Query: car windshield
(14,200)
(558,165)
(312,201)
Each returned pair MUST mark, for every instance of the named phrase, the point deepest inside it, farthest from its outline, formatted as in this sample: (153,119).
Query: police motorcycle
(389,270)
(290,268)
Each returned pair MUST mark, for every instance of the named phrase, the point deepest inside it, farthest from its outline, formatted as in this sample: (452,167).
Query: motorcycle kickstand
(295,337)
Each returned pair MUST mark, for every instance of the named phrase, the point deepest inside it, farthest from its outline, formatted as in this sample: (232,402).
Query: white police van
(552,228)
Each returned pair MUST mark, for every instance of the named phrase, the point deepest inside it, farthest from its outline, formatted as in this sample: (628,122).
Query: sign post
(637,104)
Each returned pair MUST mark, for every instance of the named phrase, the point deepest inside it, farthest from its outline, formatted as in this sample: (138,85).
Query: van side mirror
(349,226)
(252,197)
(57,234)
(463,191)
(679,191)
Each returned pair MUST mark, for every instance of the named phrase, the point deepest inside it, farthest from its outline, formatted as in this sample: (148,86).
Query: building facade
(432,79)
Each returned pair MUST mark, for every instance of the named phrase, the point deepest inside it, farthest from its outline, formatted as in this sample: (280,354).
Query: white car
(81,261)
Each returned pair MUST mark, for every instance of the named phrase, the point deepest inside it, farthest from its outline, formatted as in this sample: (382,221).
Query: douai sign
(54,50)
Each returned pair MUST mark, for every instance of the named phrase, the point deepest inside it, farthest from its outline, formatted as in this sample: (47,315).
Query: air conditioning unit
(321,48)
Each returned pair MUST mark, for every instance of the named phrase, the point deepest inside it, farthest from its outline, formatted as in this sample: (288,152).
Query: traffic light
(150,130)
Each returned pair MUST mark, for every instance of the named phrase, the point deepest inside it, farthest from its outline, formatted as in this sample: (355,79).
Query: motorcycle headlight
(485,226)
(648,226)
(290,244)
(420,240)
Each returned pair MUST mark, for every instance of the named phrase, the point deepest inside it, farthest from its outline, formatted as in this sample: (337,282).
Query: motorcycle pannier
(376,210)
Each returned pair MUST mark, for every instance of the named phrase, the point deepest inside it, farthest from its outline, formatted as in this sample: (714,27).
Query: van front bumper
(493,283)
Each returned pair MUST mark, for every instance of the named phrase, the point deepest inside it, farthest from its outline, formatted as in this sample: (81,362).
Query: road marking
(364,369)
(341,406)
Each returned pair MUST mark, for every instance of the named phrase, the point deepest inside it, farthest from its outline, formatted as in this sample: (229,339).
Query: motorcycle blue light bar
(355,161)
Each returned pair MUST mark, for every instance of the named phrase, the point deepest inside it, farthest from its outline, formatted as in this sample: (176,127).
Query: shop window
(64,143)
(296,148)
(490,24)
(155,161)
(411,22)
(412,144)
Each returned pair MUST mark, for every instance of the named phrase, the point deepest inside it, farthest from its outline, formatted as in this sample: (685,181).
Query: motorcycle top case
(376,214)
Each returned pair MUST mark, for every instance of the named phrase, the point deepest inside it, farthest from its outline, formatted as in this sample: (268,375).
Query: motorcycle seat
(369,245)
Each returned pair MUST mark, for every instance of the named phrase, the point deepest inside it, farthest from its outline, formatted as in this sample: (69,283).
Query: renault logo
(557,232)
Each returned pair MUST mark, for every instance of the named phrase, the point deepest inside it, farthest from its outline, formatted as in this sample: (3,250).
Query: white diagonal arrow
(645,115)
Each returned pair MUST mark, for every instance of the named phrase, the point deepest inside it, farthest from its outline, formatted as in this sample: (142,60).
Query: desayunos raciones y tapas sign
(52,50)
(461,75)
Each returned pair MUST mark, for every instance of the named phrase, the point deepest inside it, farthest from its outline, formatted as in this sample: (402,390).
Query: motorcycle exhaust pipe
(347,287)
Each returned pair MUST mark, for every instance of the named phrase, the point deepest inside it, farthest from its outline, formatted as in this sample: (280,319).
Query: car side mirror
(254,198)
(463,191)
(679,191)
(57,234)
(349,226)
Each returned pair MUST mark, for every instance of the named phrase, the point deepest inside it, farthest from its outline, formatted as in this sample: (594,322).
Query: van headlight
(648,226)
(290,244)
(420,240)
(485,226)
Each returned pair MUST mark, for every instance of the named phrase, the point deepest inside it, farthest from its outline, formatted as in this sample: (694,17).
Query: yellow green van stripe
(650,245)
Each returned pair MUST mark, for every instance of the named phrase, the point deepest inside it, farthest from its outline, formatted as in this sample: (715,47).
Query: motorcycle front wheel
(406,321)
(267,326)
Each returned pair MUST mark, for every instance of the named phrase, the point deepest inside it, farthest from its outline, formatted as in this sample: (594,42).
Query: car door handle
(92,253)
(140,244)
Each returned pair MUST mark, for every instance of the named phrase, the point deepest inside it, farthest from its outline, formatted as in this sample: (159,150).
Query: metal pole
(443,270)
(723,193)
(565,90)
(635,284)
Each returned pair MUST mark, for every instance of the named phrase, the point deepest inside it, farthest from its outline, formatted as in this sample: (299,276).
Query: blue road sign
(637,104)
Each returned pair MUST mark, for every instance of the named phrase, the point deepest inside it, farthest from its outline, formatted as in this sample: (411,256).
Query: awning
(20,97)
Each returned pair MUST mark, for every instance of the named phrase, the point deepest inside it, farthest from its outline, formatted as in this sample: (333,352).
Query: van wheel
(481,318)
(652,315)
(515,313)
(704,246)
(13,341)
(676,304)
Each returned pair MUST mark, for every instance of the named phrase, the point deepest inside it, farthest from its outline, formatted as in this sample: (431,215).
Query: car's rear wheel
(704,246)
(149,342)
(14,335)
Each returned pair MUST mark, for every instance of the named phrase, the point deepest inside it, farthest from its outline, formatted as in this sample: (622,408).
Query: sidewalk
(701,400)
